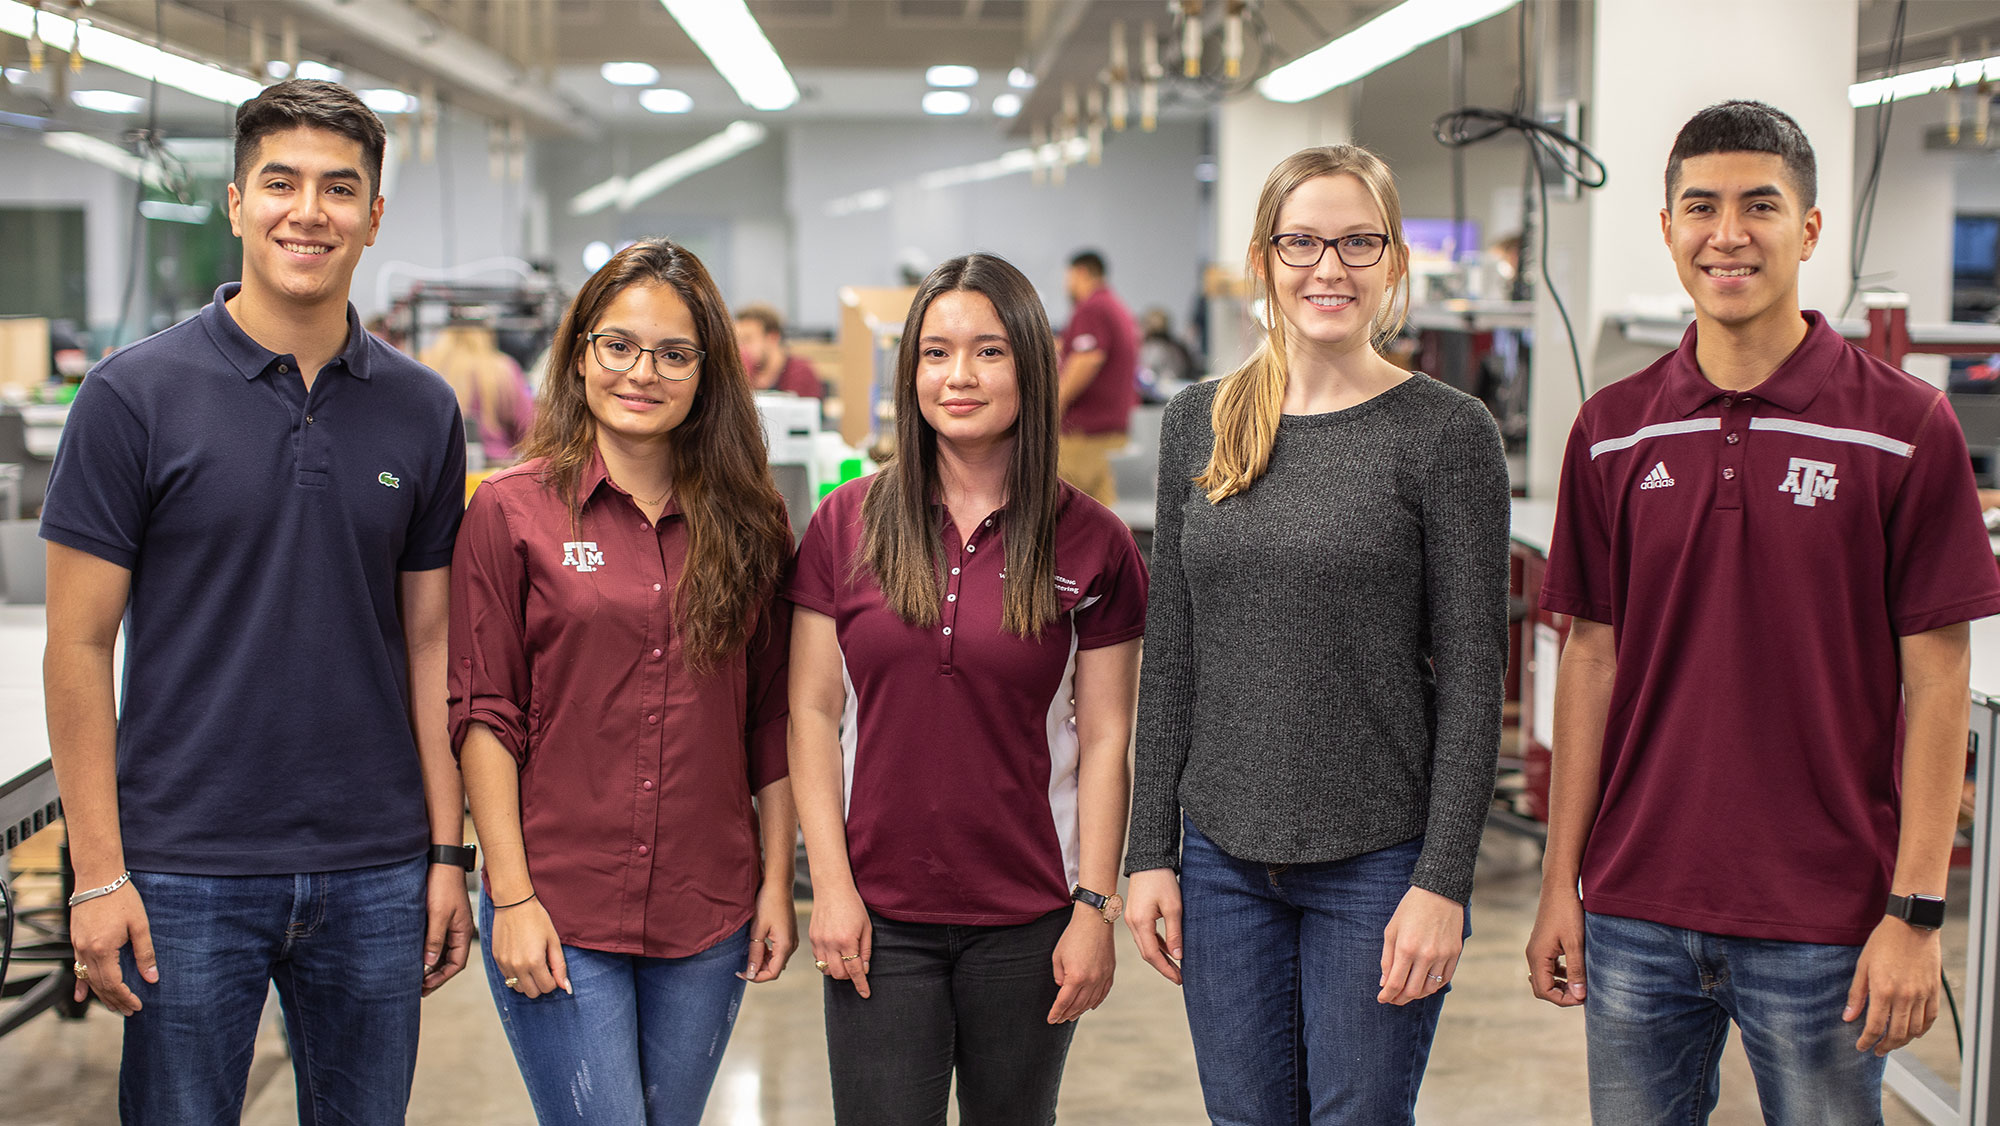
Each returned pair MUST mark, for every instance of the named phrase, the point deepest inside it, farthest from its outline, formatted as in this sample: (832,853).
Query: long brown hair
(738,532)
(1251,399)
(902,540)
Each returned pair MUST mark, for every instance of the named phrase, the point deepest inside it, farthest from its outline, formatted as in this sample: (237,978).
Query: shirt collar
(1792,385)
(253,359)
(596,476)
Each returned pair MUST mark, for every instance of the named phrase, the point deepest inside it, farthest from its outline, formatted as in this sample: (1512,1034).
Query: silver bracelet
(94,893)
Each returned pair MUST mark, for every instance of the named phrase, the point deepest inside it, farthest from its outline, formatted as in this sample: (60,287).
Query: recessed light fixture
(1020,79)
(596,255)
(630,74)
(947,102)
(666,101)
(387,100)
(107,101)
(277,70)
(952,74)
(320,72)
(1006,105)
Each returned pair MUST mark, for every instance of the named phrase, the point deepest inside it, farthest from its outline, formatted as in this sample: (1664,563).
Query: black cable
(1957,1030)
(6,930)
(1864,208)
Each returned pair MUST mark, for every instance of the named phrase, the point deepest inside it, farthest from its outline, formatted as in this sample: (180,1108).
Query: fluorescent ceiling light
(630,74)
(129,55)
(277,70)
(389,101)
(952,74)
(729,35)
(196,213)
(874,199)
(1013,162)
(107,101)
(1896,87)
(320,72)
(1020,79)
(1006,105)
(1374,45)
(628,192)
(15,76)
(104,154)
(947,102)
(666,101)
(596,255)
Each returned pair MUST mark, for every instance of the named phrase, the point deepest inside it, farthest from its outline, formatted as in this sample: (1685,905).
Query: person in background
(760,336)
(617,698)
(490,387)
(976,621)
(266,496)
(1319,714)
(1098,385)
(1770,546)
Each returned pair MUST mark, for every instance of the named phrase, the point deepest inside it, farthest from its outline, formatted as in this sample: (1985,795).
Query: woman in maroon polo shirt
(976,623)
(618,694)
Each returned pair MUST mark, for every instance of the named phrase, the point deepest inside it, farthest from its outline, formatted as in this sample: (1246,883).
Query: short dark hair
(764,317)
(1744,126)
(310,104)
(1091,261)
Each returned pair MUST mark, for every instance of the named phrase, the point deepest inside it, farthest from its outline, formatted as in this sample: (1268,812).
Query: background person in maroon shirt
(1099,381)
(760,336)
(618,694)
(965,656)
(1771,546)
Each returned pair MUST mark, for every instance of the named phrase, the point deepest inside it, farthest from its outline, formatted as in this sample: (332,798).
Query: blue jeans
(945,999)
(1658,1011)
(1283,962)
(638,1042)
(345,949)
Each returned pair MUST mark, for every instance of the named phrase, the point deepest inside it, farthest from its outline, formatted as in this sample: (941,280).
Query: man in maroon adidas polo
(1771,546)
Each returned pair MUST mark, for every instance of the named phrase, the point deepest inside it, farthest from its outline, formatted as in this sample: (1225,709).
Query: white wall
(1978,180)
(38,176)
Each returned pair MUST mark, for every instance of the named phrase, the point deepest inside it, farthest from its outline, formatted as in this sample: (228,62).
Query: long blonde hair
(482,376)
(1251,399)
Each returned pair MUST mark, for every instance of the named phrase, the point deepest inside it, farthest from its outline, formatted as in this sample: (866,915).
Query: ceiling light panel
(946,103)
(1896,87)
(729,35)
(630,74)
(129,55)
(1006,105)
(107,101)
(1374,45)
(666,101)
(952,75)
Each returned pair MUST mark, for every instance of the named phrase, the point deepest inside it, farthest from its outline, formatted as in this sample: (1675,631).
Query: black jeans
(943,996)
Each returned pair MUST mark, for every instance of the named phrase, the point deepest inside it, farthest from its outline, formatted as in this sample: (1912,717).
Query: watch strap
(458,856)
(1087,897)
(1925,912)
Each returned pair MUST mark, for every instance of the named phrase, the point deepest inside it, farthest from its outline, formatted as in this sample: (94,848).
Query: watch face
(1114,907)
(1924,911)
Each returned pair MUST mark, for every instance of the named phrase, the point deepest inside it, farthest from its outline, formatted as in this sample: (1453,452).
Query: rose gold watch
(1110,906)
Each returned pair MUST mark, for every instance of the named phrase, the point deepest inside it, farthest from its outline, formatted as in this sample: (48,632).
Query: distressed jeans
(637,1043)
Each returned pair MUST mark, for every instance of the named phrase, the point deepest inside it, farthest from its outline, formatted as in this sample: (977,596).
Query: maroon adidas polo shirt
(1759,554)
(960,749)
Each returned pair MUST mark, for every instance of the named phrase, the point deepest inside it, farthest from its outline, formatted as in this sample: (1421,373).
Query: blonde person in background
(488,383)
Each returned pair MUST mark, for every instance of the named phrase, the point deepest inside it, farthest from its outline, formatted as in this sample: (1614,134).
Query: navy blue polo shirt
(264,727)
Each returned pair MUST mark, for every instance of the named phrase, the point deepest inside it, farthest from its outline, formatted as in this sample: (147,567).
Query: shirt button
(644,851)
(652,719)
(646,785)
(989,521)
(1729,475)
(951,598)
(284,369)
(656,654)
(1731,438)
(656,586)
(947,631)
(309,420)
(971,547)
(954,570)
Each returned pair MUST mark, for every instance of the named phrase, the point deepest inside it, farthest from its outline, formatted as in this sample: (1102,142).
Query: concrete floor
(1500,1058)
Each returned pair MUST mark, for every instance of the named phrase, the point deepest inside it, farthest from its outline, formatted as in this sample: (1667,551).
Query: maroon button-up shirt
(636,774)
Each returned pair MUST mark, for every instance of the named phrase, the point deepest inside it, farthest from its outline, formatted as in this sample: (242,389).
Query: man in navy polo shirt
(267,496)
(1770,545)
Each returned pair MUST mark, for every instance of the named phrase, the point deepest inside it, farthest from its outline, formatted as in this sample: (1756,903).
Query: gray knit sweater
(1324,651)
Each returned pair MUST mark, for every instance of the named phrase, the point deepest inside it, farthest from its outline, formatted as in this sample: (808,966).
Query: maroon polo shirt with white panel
(1759,553)
(959,744)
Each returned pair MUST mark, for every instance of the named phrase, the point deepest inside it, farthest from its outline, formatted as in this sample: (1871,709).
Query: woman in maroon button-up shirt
(618,696)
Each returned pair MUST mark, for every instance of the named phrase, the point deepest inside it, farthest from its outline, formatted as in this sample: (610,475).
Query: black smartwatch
(1924,912)
(458,856)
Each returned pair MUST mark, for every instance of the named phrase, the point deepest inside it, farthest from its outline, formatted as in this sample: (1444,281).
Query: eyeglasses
(1356,252)
(670,361)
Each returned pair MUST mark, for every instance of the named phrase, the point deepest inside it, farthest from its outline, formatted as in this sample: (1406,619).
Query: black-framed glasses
(670,361)
(1356,252)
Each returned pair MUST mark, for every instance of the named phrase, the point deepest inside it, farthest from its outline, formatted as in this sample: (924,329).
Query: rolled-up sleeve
(489,658)
(768,717)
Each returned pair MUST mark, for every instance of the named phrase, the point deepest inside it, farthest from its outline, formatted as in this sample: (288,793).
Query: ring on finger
(849,957)
(1439,977)
(81,971)
(511,982)
(821,966)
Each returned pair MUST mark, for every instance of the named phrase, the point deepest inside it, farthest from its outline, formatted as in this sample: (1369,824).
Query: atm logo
(1658,477)
(583,555)
(1810,481)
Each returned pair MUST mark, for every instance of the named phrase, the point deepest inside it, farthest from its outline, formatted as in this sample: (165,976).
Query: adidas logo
(1658,478)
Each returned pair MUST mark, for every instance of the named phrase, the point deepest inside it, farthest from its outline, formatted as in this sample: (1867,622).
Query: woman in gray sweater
(1319,706)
